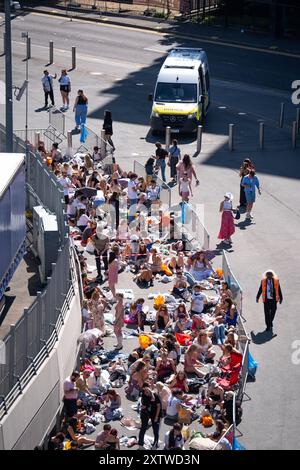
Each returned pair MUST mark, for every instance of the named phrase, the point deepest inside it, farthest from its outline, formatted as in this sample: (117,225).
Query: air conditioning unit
(45,240)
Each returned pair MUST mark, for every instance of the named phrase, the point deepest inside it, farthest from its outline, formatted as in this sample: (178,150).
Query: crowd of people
(187,359)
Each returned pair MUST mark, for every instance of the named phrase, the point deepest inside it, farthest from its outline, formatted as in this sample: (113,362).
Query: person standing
(80,109)
(47,82)
(119,321)
(65,89)
(161,155)
(71,394)
(250,182)
(151,409)
(185,188)
(186,166)
(227,224)
(174,157)
(107,127)
(113,269)
(270,291)
(246,166)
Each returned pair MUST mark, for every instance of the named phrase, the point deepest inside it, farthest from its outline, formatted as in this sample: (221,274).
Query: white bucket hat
(229,196)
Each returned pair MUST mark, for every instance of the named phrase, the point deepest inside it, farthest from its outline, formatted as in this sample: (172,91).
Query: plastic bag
(237,446)
(159,301)
(83,133)
(166,269)
(145,341)
(252,366)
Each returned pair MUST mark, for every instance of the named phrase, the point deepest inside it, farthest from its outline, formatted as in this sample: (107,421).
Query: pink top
(70,389)
(181,170)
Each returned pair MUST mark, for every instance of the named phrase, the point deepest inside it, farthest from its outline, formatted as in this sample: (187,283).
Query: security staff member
(271,294)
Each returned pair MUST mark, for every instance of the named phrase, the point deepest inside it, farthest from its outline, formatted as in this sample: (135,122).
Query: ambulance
(182,92)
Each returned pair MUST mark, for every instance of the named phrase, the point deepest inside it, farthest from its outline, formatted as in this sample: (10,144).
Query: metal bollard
(281,115)
(261,135)
(199,139)
(298,120)
(28,48)
(103,144)
(37,138)
(73,57)
(294,134)
(168,137)
(51,52)
(69,139)
(231,135)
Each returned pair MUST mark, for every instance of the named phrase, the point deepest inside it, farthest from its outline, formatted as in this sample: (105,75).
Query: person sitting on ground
(191,363)
(180,287)
(214,396)
(204,343)
(198,300)
(57,442)
(200,268)
(162,320)
(113,403)
(101,439)
(179,382)
(174,438)
(112,440)
(165,366)
(181,309)
(183,323)
(155,261)
(176,262)
(228,320)
(98,381)
(145,276)
(70,428)
(136,381)
(218,435)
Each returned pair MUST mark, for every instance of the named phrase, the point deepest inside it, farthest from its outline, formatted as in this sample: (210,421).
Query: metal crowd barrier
(233,283)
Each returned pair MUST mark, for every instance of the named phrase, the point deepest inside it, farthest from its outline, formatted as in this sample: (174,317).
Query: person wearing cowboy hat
(271,293)
(227,224)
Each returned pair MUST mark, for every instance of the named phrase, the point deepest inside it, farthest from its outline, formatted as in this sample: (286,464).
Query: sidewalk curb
(164,30)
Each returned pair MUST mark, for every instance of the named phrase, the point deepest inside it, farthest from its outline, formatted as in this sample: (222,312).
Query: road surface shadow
(262,336)
(244,224)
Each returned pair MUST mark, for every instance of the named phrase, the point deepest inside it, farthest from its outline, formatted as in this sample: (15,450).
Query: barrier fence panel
(233,284)
(57,119)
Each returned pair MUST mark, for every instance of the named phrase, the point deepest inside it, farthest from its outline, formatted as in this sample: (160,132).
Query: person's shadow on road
(244,224)
(262,336)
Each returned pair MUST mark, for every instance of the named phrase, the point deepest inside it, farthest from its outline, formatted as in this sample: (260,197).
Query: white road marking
(96,73)
(153,49)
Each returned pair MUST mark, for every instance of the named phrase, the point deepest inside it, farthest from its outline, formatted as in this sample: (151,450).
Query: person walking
(80,109)
(227,224)
(174,157)
(250,182)
(65,89)
(119,321)
(271,293)
(185,188)
(113,270)
(246,166)
(107,127)
(161,155)
(47,82)
(186,166)
(151,409)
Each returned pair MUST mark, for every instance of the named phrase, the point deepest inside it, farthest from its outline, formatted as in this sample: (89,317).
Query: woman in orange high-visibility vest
(270,291)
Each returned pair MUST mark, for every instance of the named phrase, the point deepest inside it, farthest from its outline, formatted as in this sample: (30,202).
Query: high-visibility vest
(264,289)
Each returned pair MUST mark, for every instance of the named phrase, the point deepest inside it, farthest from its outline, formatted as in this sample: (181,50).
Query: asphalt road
(117,68)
